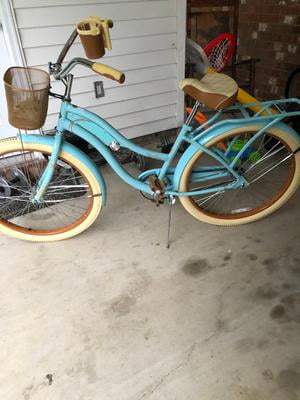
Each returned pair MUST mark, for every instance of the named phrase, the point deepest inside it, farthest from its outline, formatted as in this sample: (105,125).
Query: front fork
(48,173)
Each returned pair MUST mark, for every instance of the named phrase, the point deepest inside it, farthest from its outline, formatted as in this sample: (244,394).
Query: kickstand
(171,201)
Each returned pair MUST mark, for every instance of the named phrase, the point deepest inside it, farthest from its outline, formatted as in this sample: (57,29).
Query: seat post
(193,113)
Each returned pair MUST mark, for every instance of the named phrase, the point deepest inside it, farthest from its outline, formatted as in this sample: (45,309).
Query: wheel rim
(269,168)
(67,202)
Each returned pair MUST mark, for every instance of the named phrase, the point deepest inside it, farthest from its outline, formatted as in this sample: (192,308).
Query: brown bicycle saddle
(215,90)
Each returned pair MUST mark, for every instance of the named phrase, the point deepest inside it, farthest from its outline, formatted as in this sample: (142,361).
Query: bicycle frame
(101,135)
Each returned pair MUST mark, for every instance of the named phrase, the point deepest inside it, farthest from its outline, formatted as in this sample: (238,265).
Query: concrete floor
(113,315)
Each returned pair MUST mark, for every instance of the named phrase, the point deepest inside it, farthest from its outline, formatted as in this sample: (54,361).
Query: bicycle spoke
(267,173)
(265,157)
(270,169)
(67,199)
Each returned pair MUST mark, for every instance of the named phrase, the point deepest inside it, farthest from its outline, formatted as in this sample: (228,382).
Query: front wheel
(273,174)
(70,205)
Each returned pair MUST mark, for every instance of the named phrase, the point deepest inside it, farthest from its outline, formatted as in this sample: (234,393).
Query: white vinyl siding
(145,46)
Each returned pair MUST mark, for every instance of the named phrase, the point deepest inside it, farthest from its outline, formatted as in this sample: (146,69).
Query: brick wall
(270,30)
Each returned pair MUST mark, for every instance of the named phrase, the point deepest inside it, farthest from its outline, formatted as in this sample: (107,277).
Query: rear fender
(193,148)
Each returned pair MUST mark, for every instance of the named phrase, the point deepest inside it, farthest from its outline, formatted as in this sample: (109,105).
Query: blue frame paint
(100,134)
(75,152)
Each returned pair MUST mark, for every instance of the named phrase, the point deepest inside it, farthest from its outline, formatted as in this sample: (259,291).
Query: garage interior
(114,314)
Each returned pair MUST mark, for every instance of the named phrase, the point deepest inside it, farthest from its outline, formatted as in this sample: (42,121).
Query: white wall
(148,45)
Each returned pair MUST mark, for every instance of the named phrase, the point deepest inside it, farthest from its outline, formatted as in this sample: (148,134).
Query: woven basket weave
(26,92)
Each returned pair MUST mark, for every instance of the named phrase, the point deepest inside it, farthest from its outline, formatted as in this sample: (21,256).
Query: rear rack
(268,113)
(287,107)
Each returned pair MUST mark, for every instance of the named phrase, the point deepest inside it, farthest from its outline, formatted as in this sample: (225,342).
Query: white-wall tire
(14,145)
(196,212)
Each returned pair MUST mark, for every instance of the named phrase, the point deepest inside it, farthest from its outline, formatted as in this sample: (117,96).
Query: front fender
(227,126)
(75,152)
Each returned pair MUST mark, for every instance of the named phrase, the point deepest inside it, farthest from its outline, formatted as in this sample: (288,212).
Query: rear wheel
(70,205)
(273,173)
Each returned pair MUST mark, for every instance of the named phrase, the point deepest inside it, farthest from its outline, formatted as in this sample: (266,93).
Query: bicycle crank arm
(158,188)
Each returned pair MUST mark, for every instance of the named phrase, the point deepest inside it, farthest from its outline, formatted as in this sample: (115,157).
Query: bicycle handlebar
(101,69)
(66,47)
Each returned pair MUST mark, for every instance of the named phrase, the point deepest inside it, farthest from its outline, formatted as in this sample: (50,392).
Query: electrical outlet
(99,89)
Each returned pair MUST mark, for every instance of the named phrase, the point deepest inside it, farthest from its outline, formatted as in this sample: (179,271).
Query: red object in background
(220,50)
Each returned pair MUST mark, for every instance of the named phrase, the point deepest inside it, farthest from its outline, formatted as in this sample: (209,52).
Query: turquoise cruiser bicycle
(232,171)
